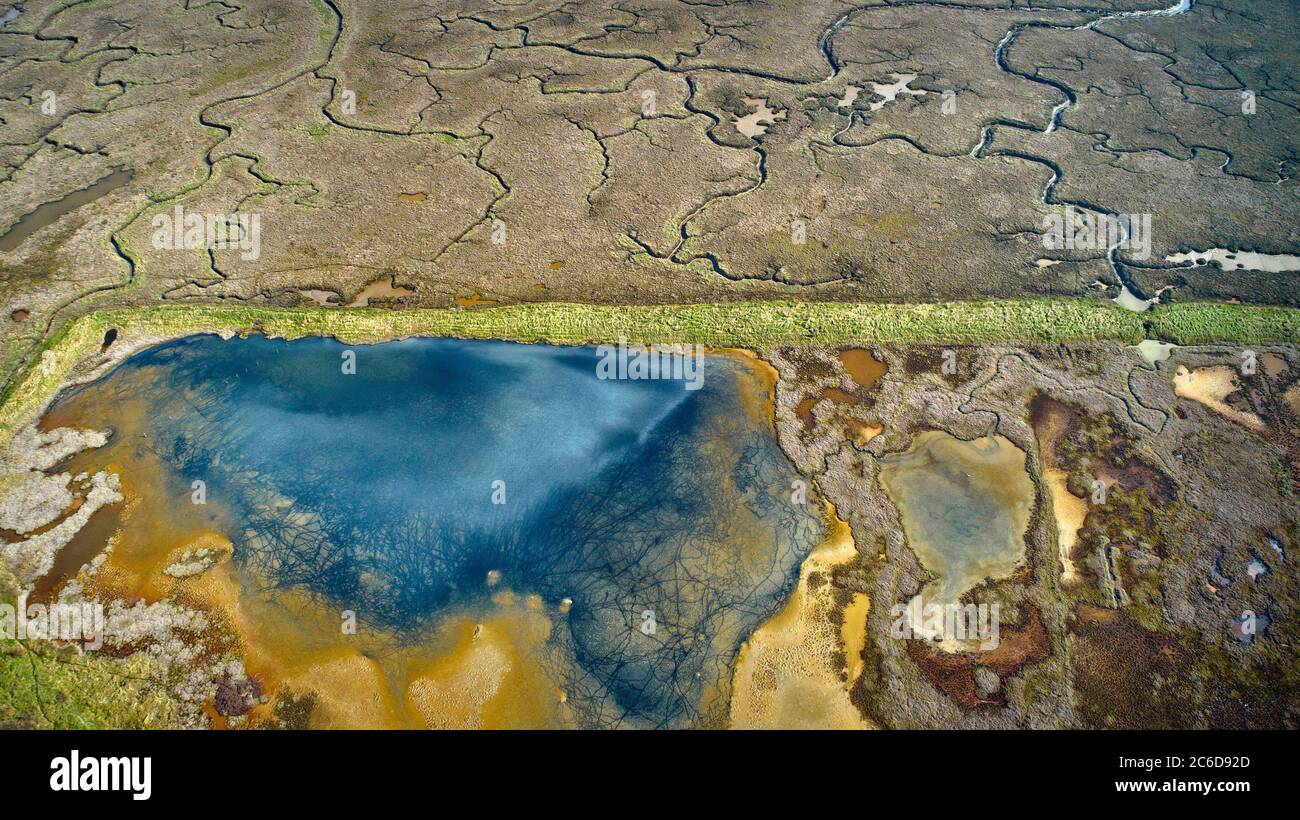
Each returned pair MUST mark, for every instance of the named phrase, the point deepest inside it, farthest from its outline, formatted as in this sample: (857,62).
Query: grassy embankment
(735,324)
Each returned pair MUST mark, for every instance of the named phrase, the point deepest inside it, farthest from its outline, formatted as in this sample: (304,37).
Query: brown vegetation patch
(954,673)
(1125,677)
(929,361)
(1090,446)
(835,394)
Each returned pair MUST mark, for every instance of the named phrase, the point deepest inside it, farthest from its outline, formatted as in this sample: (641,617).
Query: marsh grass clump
(51,686)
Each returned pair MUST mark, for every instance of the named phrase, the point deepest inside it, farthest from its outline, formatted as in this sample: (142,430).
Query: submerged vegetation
(655,501)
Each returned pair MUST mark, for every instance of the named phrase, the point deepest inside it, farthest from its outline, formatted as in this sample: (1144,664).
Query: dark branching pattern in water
(375,492)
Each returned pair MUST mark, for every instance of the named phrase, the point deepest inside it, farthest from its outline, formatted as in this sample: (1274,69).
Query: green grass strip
(732,324)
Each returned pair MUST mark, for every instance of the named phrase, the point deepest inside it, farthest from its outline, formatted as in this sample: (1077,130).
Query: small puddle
(1071,511)
(1211,386)
(323,298)
(475,299)
(862,432)
(1050,420)
(1255,567)
(1248,625)
(1239,260)
(864,367)
(755,123)
(1274,364)
(45,215)
(1129,300)
(88,542)
(890,91)
(835,394)
(1277,547)
(1153,351)
(1292,398)
(965,507)
(383,288)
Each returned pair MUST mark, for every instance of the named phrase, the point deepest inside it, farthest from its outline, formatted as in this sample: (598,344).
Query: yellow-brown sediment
(1211,386)
(787,675)
(863,366)
(1069,509)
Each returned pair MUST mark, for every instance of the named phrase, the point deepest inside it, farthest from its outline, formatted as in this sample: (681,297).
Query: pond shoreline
(258,491)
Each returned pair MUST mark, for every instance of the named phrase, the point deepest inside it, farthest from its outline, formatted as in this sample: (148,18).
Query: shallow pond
(964,505)
(633,531)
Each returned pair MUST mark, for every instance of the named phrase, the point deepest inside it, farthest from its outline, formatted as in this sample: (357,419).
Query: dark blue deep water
(375,492)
